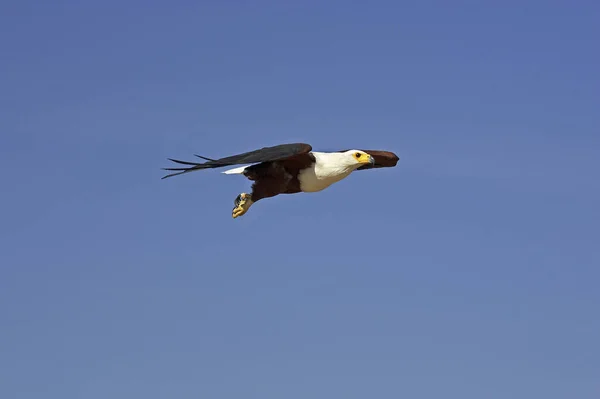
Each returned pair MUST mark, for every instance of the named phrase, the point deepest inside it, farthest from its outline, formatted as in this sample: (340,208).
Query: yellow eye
(358,155)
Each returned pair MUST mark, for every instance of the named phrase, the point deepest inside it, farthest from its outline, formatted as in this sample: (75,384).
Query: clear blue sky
(469,271)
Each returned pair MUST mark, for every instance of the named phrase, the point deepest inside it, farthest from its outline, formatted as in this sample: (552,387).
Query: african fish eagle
(289,169)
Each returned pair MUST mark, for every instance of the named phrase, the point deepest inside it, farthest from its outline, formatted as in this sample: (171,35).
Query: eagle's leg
(242,203)
(269,180)
(264,188)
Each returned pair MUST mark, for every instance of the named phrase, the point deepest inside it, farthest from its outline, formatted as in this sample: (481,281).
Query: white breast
(329,168)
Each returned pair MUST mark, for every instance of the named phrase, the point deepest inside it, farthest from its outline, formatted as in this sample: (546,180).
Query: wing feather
(265,154)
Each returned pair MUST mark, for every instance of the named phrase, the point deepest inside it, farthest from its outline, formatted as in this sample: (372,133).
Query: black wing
(265,154)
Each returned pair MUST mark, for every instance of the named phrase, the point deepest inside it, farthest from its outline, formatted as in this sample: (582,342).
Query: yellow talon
(239,211)
(243,203)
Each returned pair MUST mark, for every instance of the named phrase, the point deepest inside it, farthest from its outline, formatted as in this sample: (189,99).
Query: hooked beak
(371,160)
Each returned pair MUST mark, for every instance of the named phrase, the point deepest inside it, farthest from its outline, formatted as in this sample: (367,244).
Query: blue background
(468,271)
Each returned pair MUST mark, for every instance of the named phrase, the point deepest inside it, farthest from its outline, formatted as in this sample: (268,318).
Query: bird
(288,169)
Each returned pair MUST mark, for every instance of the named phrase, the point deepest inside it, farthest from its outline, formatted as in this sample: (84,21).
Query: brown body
(281,177)
(277,177)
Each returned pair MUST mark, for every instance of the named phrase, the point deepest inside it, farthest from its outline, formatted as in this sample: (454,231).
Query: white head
(358,158)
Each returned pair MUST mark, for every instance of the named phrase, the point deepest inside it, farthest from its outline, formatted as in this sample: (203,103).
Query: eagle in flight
(289,169)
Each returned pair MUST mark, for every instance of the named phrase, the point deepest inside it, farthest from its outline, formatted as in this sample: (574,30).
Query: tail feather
(235,171)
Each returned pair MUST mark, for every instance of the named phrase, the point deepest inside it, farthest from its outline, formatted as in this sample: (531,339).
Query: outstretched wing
(383,159)
(265,154)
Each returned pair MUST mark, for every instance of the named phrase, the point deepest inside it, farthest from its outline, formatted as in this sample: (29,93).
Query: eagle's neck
(327,169)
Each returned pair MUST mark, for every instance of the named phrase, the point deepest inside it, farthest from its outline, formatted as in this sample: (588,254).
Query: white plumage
(329,168)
